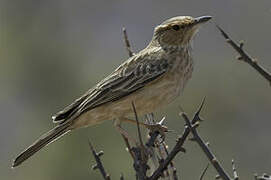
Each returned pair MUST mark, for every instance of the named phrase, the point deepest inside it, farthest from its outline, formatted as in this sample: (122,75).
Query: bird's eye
(176,27)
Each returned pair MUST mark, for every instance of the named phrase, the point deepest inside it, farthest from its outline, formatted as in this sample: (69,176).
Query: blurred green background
(53,51)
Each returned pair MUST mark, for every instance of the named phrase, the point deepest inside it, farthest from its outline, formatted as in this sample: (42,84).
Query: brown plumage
(151,78)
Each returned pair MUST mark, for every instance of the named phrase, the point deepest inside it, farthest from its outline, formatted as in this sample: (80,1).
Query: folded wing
(129,77)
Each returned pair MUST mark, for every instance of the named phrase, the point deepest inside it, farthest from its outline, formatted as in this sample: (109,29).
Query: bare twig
(128,146)
(140,157)
(245,57)
(174,170)
(140,164)
(127,43)
(99,164)
(192,126)
(204,172)
(137,124)
(178,146)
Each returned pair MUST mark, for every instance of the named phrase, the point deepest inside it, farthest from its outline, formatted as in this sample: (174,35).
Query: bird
(150,79)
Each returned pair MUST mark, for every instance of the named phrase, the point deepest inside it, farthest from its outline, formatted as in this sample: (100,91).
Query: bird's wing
(129,77)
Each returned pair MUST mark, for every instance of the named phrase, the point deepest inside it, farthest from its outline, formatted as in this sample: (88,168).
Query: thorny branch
(99,164)
(178,147)
(141,153)
(192,127)
(245,57)
(140,156)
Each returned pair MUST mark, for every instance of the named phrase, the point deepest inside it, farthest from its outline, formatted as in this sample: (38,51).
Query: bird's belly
(151,97)
(148,99)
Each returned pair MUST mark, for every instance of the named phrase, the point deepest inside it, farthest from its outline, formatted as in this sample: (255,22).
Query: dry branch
(140,156)
(178,146)
(99,164)
(245,57)
(192,126)
(127,43)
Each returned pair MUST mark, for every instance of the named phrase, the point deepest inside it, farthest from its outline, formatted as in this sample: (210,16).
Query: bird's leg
(123,132)
(152,127)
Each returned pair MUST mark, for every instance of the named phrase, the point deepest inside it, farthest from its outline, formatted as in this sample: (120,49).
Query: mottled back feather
(129,77)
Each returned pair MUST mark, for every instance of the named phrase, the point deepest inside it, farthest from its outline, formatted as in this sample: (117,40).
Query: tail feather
(43,141)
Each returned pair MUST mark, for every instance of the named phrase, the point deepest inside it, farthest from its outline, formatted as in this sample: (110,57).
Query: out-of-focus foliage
(53,51)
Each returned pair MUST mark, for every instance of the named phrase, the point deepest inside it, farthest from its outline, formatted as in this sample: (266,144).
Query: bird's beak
(202,19)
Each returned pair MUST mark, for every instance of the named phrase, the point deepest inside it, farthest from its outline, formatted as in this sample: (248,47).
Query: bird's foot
(158,127)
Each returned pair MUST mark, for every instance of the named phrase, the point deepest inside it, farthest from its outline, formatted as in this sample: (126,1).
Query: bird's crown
(178,31)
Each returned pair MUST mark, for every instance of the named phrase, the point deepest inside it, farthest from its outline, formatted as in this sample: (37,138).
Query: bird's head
(178,31)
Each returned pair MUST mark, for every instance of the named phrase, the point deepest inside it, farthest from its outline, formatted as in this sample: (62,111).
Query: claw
(160,128)
(162,121)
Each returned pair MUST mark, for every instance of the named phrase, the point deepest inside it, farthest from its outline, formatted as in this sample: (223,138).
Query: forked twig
(192,126)
(178,146)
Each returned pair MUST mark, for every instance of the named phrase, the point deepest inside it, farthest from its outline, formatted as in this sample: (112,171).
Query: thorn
(200,119)
(162,121)
(240,58)
(94,167)
(204,172)
(241,44)
(214,160)
(200,108)
(217,177)
(183,150)
(254,60)
(195,125)
(180,137)
(100,153)
(107,177)
(235,175)
(207,144)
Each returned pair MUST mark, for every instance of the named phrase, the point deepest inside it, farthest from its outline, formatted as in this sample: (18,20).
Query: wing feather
(131,76)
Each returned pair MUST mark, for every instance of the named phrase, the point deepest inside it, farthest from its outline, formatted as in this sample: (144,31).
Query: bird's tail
(43,141)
